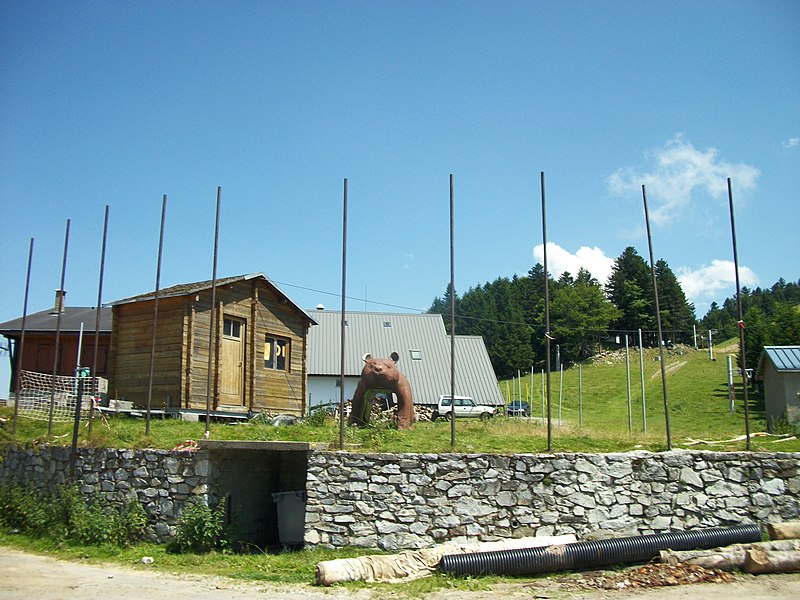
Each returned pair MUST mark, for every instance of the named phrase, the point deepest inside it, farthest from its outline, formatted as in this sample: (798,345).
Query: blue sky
(277,102)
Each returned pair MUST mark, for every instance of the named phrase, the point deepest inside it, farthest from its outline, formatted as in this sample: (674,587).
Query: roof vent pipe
(58,306)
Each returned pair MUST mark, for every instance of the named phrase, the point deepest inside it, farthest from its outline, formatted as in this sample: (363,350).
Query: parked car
(464,407)
(518,408)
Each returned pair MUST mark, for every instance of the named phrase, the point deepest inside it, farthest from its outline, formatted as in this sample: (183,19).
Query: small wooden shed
(779,370)
(259,348)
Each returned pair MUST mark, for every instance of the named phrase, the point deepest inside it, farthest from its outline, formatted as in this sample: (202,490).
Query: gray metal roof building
(783,358)
(779,370)
(419,339)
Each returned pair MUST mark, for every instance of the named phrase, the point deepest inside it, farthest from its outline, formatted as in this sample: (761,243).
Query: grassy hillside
(696,390)
(697,394)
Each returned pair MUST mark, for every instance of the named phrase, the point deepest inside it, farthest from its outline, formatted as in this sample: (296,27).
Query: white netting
(38,390)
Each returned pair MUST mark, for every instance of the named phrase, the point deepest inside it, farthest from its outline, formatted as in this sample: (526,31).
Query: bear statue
(381,374)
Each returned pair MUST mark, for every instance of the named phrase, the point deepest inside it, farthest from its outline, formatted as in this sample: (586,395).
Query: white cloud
(791,142)
(559,260)
(704,284)
(678,172)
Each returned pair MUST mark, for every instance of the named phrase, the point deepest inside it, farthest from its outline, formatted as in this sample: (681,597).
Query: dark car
(518,408)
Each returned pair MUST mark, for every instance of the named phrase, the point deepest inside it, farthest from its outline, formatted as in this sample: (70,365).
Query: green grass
(697,395)
(696,391)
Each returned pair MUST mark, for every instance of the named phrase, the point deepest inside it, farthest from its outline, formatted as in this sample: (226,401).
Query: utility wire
(534,326)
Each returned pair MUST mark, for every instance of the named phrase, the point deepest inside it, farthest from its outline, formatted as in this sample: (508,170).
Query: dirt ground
(26,576)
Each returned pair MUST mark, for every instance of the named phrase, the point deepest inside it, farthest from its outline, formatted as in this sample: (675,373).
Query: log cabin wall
(131,342)
(262,314)
(277,389)
(259,350)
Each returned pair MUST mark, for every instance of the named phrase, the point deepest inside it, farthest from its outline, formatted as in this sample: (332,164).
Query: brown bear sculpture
(381,374)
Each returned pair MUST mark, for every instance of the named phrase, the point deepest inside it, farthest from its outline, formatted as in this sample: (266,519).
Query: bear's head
(377,370)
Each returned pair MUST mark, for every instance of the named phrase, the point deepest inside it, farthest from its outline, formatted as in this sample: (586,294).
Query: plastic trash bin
(291,516)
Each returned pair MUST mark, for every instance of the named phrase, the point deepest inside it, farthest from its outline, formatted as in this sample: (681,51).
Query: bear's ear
(366,357)
(394,356)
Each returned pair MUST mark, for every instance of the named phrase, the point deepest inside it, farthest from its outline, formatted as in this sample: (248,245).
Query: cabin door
(231,389)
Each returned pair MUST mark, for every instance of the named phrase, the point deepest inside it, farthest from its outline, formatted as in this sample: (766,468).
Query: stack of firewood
(779,555)
(382,412)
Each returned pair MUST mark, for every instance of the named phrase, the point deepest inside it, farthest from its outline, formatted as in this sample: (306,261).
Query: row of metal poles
(19,351)
(548,337)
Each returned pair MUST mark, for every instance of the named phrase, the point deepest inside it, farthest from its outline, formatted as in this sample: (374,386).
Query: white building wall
(324,390)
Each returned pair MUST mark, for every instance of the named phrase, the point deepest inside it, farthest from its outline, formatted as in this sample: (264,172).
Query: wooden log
(413,564)
(729,558)
(784,531)
(760,561)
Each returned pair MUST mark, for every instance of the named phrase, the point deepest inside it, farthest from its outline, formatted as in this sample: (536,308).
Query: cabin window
(276,353)
(231,328)
(416,354)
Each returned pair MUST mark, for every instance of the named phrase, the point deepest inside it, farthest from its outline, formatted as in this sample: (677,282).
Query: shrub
(201,528)
(319,417)
(68,516)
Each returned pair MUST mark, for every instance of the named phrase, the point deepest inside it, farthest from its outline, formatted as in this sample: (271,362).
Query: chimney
(58,307)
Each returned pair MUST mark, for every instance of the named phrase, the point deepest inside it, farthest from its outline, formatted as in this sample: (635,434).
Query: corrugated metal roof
(419,339)
(71,319)
(784,358)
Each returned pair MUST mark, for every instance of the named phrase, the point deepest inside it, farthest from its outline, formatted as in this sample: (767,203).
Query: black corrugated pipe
(547,559)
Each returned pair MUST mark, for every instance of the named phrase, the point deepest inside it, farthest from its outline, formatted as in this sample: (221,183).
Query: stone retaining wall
(396,501)
(415,500)
(163,481)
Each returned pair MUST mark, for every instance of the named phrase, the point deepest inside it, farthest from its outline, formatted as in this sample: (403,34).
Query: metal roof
(785,359)
(45,321)
(185,289)
(419,339)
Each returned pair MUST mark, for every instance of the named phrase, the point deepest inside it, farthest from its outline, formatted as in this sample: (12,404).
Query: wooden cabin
(258,348)
(76,331)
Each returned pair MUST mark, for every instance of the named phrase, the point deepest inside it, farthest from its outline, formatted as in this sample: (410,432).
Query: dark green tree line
(510,313)
(771,317)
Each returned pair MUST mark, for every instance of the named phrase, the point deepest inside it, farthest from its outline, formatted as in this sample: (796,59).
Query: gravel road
(31,577)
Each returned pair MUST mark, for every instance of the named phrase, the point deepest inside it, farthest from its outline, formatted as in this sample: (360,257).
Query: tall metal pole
(544,410)
(641,381)
(730,383)
(19,350)
(547,335)
(580,396)
(155,317)
(452,320)
(743,358)
(530,398)
(628,383)
(658,321)
(60,309)
(344,319)
(73,451)
(214,325)
(80,350)
(95,385)
(560,391)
